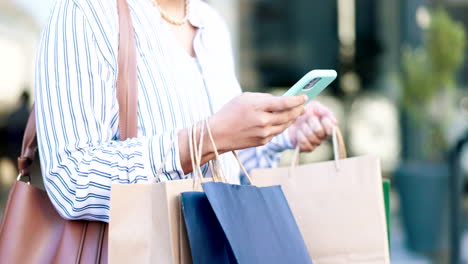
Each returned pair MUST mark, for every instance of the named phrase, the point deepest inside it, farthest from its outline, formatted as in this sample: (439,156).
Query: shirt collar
(195,14)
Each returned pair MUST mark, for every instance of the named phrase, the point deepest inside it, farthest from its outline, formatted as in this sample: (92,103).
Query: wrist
(217,134)
(207,145)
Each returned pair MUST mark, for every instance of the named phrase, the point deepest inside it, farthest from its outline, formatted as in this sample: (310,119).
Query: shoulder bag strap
(127,92)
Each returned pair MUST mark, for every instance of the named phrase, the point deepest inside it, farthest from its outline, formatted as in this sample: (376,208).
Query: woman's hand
(253,119)
(249,120)
(313,127)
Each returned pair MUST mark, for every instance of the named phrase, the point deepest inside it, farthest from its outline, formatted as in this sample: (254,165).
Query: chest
(184,34)
(174,89)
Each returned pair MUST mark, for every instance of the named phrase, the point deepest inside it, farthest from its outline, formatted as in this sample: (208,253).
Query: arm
(77,121)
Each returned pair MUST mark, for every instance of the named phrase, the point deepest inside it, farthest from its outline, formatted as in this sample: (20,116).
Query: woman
(185,73)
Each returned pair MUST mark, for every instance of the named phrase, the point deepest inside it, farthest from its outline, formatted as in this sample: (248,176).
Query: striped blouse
(77,109)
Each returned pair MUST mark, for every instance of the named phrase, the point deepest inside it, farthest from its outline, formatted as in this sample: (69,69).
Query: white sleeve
(75,98)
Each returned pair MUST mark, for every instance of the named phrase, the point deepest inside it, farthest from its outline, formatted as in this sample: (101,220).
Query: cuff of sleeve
(287,141)
(165,148)
(281,142)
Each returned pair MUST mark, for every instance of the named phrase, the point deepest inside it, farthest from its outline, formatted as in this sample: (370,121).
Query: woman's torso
(174,89)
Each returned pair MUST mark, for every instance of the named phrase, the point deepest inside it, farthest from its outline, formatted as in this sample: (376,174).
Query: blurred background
(401,94)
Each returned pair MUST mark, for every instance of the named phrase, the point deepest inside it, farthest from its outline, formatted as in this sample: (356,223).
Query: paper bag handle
(339,148)
(196,153)
(241,165)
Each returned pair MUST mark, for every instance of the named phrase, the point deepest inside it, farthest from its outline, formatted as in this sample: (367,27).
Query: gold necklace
(168,18)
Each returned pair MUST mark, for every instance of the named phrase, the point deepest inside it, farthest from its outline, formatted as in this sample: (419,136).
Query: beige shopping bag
(146,224)
(338,206)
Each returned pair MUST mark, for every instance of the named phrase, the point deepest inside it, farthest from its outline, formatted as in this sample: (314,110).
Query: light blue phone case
(312,83)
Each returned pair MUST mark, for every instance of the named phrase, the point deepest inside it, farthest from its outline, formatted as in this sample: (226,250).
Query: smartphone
(312,83)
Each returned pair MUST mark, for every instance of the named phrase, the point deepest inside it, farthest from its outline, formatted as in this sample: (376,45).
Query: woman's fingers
(310,135)
(282,103)
(313,127)
(328,125)
(279,118)
(304,143)
(276,130)
(317,127)
(321,111)
(252,119)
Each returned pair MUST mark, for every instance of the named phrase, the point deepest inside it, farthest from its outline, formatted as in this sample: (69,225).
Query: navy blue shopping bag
(257,223)
(208,243)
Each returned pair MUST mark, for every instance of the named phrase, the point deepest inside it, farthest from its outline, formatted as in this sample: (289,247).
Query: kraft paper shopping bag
(146,224)
(338,205)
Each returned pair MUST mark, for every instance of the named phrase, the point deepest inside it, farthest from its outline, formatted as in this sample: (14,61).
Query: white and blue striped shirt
(77,109)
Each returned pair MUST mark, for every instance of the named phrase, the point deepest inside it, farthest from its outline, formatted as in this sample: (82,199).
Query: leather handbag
(32,231)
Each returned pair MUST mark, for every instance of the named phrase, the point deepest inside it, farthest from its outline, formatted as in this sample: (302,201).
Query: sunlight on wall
(20,24)
(12,69)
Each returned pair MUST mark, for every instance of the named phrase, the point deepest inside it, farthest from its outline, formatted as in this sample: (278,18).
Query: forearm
(262,156)
(207,153)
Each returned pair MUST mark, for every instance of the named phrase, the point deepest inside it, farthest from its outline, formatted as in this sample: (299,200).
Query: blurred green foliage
(446,48)
(418,81)
(429,72)
(433,67)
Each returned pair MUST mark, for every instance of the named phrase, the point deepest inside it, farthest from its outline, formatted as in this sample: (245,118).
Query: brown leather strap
(29,146)
(127,89)
(127,92)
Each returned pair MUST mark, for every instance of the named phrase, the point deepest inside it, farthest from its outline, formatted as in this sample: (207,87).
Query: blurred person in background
(185,74)
(15,124)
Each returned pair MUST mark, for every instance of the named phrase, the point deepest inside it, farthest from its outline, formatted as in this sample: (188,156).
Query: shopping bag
(338,205)
(239,224)
(146,224)
(208,243)
(258,223)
